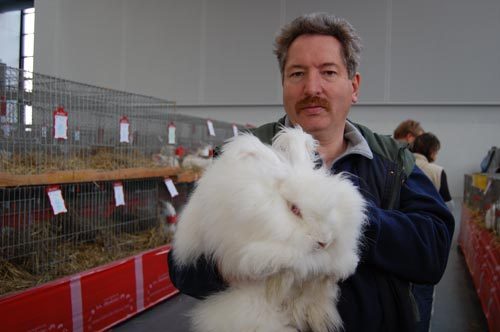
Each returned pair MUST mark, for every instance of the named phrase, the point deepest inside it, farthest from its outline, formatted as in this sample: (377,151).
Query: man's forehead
(321,47)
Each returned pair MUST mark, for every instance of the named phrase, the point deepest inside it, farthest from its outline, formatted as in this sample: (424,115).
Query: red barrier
(43,308)
(482,254)
(108,295)
(93,300)
(157,284)
(493,310)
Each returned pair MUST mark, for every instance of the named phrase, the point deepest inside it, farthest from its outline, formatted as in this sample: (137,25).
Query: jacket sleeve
(413,241)
(198,280)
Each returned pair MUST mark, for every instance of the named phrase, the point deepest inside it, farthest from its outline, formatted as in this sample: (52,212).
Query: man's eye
(297,74)
(329,73)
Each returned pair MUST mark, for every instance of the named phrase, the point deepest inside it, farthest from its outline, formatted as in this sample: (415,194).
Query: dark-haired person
(425,149)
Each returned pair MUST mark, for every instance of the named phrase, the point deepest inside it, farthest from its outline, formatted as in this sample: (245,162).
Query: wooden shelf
(187,176)
(90,175)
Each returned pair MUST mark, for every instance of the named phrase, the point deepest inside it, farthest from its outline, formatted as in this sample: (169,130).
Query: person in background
(425,149)
(409,229)
(407,131)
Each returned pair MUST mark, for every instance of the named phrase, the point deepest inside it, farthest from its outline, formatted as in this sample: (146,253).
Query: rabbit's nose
(322,244)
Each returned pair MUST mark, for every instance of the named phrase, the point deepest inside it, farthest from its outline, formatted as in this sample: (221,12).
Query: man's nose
(312,84)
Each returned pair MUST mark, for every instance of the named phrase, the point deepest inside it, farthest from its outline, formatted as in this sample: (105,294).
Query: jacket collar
(420,157)
(356,143)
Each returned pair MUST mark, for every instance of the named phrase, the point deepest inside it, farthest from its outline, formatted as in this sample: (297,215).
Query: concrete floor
(456,305)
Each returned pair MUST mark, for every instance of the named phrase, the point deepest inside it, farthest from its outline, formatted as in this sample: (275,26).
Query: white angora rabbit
(281,231)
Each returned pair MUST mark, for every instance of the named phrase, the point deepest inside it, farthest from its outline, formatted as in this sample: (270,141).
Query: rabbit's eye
(295,210)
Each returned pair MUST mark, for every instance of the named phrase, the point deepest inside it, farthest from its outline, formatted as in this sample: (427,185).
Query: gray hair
(322,24)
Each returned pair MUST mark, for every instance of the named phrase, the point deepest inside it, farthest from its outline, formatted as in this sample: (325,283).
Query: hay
(55,261)
(16,279)
(99,159)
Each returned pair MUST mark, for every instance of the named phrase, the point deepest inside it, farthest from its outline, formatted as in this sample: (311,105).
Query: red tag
(3,106)
(53,188)
(60,111)
(180,151)
(172,219)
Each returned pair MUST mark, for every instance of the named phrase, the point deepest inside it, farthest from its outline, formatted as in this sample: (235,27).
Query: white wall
(436,62)
(10,32)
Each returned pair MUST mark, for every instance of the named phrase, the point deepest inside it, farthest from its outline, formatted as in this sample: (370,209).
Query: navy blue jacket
(407,244)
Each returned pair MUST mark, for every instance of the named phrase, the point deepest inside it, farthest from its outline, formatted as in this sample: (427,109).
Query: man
(410,229)
(407,131)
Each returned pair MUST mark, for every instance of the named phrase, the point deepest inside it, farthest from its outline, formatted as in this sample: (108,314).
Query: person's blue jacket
(406,244)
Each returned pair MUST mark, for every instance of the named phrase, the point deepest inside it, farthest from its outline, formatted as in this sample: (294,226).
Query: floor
(456,305)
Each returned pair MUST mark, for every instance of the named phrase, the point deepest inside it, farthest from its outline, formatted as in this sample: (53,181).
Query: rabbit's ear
(248,147)
(296,146)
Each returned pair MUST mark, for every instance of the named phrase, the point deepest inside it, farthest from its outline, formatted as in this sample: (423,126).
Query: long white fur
(283,267)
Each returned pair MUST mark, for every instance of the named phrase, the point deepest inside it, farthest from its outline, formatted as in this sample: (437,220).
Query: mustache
(312,101)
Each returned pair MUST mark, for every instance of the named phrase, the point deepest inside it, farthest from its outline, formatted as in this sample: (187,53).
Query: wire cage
(193,133)
(48,124)
(92,232)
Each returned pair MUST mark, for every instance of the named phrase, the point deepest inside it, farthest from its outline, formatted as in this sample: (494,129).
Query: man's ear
(356,82)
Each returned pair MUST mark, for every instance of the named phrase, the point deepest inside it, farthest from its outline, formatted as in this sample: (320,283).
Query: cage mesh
(28,143)
(37,245)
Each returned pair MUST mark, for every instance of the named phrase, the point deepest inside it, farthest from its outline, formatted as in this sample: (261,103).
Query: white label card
(235,130)
(119,196)
(57,201)
(171,187)
(205,152)
(171,134)
(61,126)
(6,128)
(211,130)
(124,127)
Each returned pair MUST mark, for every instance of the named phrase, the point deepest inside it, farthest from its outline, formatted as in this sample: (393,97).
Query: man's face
(317,93)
